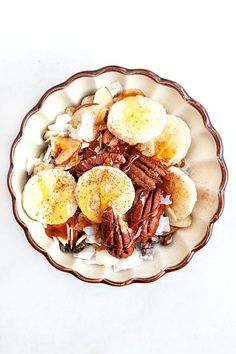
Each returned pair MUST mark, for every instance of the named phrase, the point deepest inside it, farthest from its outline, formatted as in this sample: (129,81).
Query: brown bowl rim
(208,126)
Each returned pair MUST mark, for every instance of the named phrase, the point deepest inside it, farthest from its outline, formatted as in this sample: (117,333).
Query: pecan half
(119,241)
(146,212)
(97,159)
(136,212)
(144,171)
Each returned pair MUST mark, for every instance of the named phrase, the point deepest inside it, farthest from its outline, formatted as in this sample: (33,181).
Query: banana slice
(172,145)
(183,192)
(136,119)
(101,187)
(48,197)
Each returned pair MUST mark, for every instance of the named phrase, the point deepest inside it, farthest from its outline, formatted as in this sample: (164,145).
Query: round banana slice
(136,119)
(101,187)
(49,198)
(172,145)
(182,190)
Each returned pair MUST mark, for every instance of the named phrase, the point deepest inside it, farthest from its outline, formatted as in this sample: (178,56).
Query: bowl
(207,169)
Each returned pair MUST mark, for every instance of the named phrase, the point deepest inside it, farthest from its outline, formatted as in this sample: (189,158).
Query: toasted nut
(102,96)
(101,117)
(115,88)
(70,110)
(87,99)
(64,149)
(64,157)
(88,108)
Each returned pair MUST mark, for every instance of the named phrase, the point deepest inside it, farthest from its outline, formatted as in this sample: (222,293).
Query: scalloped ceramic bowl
(207,169)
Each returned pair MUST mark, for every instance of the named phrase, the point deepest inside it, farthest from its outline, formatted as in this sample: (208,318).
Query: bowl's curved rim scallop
(208,126)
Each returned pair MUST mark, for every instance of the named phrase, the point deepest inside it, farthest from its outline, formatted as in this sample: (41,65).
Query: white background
(46,311)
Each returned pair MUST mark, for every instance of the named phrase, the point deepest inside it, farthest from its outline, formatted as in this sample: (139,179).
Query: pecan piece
(109,139)
(144,171)
(165,240)
(146,212)
(147,246)
(87,152)
(167,237)
(74,241)
(119,241)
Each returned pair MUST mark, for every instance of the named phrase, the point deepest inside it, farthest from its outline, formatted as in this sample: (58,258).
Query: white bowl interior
(204,170)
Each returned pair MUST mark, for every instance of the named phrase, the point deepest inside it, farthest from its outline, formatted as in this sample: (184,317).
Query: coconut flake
(60,123)
(47,155)
(90,230)
(90,261)
(62,240)
(115,88)
(86,129)
(59,240)
(165,200)
(82,238)
(97,149)
(132,261)
(104,258)
(86,253)
(164,225)
(138,232)
(148,257)
(91,239)
(84,145)
(73,132)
